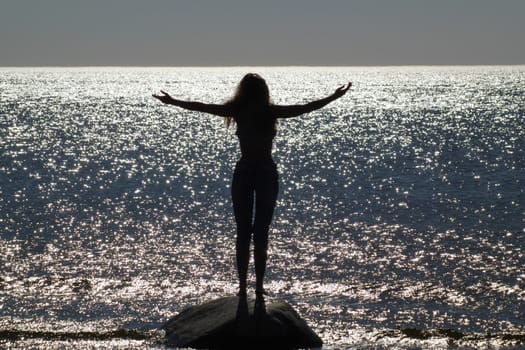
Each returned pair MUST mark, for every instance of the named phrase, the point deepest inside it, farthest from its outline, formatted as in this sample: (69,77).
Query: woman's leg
(242,198)
(266,189)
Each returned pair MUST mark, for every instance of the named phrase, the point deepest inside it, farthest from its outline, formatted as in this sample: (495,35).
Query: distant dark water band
(130,334)
(135,334)
(414,333)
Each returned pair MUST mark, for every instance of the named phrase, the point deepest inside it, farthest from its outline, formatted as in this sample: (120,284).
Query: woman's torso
(255,130)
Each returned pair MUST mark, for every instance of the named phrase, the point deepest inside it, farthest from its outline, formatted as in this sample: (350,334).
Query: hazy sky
(259,33)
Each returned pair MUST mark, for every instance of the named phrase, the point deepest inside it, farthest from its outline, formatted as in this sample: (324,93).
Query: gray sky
(261,33)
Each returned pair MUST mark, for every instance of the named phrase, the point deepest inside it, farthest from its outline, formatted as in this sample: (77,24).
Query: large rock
(234,322)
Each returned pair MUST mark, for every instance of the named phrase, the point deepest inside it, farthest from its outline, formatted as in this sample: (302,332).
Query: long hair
(252,92)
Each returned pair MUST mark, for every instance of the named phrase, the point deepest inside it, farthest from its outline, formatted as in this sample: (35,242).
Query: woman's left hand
(165,98)
(342,90)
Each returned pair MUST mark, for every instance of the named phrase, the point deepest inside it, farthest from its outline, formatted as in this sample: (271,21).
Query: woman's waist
(256,160)
(256,153)
(256,164)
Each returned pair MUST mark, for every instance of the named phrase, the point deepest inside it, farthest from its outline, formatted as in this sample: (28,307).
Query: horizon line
(264,66)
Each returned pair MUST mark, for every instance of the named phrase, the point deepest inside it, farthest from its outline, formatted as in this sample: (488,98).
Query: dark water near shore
(400,221)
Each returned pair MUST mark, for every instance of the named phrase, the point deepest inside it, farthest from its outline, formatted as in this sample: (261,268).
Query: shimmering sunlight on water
(400,222)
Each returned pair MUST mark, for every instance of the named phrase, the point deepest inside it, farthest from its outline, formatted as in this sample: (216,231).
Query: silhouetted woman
(255,175)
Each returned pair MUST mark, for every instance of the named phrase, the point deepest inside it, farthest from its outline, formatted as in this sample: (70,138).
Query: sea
(400,222)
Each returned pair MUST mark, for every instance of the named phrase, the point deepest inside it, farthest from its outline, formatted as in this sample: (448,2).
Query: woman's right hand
(342,90)
(165,98)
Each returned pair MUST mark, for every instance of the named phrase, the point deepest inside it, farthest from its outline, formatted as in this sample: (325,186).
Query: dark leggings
(253,179)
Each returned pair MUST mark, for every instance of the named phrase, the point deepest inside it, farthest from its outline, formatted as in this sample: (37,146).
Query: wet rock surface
(233,322)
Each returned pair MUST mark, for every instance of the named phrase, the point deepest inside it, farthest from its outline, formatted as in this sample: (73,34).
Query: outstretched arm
(215,109)
(296,110)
